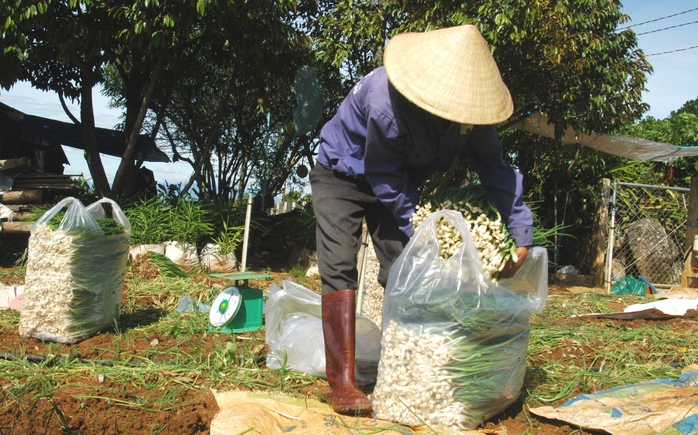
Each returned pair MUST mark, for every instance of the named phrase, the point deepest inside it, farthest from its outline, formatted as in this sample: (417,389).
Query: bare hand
(511,266)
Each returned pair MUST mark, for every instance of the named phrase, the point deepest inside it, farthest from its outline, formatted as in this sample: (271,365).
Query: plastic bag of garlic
(454,342)
(75,271)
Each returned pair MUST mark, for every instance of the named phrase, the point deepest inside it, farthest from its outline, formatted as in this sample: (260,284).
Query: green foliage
(154,220)
(293,196)
(229,237)
(680,128)
(167,267)
(149,218)
(302,228)
(297,271)
(567,58)
(85,192)
(14,43)
(190,221)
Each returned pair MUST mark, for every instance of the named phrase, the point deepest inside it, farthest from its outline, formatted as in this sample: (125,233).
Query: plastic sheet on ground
(661,309)
(662,406)
(188,305)
(270,414)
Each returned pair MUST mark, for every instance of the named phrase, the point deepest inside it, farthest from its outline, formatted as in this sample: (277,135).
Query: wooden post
(599,238)
(691,231)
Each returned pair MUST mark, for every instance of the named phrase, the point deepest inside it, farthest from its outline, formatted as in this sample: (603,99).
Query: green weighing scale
(238,308)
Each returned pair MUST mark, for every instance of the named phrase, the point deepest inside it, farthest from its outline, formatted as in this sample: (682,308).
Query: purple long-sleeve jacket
(378,136)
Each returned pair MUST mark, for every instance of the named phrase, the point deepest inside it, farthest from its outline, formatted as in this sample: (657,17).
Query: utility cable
(666,28)
(672,51)
(659,19)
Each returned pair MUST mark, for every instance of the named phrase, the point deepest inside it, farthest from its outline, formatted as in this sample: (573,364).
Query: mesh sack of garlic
(453,351)
(76,265)
(484,222)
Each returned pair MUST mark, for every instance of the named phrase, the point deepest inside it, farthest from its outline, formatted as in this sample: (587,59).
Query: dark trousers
(340,204)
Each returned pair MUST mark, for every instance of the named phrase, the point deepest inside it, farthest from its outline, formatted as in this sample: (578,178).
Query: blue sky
(675,77)
(667,33)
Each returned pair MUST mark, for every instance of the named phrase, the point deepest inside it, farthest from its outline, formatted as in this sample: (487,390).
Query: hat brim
(449,73)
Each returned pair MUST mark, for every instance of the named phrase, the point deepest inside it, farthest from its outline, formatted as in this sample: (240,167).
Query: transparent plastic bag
(453,352)
(531,280)
(294,334)
(96,210)
(74,273)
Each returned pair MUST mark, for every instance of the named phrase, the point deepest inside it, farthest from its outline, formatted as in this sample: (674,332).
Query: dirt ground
(192,412)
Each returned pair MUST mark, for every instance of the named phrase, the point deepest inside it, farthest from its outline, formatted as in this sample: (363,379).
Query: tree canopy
(567,58)
(148,48)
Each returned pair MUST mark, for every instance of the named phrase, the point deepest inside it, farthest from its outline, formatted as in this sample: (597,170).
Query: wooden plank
(21,196)
(16,227)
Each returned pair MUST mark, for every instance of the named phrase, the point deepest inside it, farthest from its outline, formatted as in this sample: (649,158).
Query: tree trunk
(94,161)
(126,170)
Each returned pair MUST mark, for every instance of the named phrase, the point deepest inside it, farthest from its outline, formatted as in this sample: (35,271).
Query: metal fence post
(611,240)
(692,215)
(648,229)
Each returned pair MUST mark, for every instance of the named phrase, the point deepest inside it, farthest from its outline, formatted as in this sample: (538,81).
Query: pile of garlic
(413,386)
(48,284)
(491,238)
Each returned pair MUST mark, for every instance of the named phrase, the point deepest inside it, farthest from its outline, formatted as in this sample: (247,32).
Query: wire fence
(647,233)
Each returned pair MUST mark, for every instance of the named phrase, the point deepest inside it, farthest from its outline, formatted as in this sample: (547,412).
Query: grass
(601,354)
(183,354)
(15,272)
(156,356)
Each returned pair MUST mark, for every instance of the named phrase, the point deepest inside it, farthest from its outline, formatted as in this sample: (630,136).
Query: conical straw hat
(450,73)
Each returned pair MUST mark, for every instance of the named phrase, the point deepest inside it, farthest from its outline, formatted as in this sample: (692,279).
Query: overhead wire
(666,28)
(672,51)
(663,29)
(659,19)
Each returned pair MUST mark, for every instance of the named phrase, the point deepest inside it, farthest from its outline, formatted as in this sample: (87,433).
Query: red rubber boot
(339,330)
